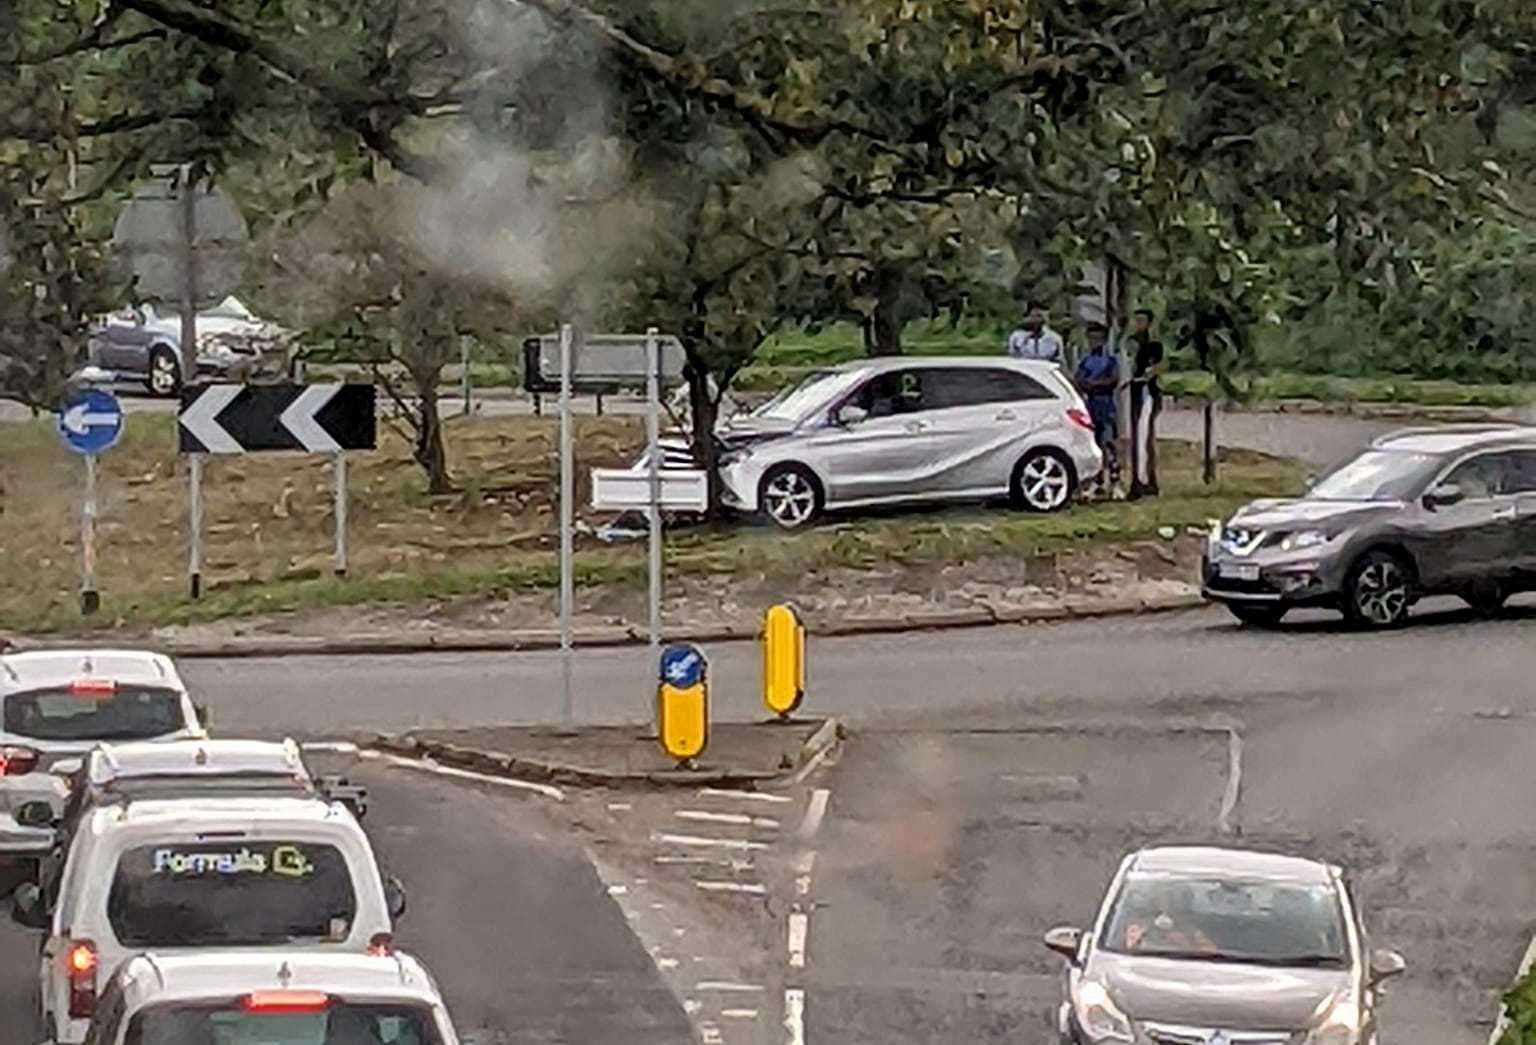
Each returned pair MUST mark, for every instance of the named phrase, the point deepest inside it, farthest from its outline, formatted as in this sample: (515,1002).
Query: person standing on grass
(1098,377)
(1033,339)
(1146,404)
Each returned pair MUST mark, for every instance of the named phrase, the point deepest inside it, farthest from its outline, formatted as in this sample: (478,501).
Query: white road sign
(621,489)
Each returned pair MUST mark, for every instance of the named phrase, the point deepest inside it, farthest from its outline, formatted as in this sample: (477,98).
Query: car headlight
(1098,1015)
(736,456)
(1295,542)
(1213,534)
(1341,1025)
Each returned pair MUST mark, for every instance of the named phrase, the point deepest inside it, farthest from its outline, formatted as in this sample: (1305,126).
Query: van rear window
(233,1023)
(231,893)
(114,713)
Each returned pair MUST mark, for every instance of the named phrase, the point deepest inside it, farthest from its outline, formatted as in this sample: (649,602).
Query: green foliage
(1520,1011)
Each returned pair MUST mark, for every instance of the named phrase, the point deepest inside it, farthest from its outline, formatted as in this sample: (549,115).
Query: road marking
(728,986)
(750,796)
(700,840)
(755,888)
(422,765)
(1234,783)
(709,1033)
(617,890)
(739,1014)
(815,811)
(666,963)
(799,925)
(738,819)
(619,807)
(1502,1023)
(706,861)
(805,862)
(794,1016)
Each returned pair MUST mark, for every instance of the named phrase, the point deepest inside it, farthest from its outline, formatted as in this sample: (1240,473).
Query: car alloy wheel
(789,498)
(1380,594)
(164,373)
(1044,482)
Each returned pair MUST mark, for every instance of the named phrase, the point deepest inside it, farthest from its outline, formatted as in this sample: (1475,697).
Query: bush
(1520,1009)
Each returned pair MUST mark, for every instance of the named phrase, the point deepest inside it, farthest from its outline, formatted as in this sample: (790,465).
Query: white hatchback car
(155,999)
(194,875)
(56,705)
(907,429)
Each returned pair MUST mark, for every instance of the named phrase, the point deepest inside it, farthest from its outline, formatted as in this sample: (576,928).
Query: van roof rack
(1454,428)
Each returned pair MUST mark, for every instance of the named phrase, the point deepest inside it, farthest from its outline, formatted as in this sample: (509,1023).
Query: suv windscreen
(1376,475)
(125,713)
(1262,921)
(231,1023)
(231,893)
(796,402)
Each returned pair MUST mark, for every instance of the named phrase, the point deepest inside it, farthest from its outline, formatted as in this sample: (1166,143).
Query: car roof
(1190,860)
(194,758)
(1442,440)
(45,669)
(876,366)
(151,977)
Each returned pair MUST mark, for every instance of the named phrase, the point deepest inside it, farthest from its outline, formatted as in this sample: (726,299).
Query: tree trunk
(1208,443)
(429,450)
(702,410)
(890,288)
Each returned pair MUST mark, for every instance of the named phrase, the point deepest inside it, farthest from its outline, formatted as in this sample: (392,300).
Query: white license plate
(1239,571)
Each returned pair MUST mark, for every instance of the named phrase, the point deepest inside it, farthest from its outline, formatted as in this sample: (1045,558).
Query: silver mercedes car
(882,431)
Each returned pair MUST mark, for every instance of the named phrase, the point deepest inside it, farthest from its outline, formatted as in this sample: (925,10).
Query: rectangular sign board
(609,358)
(238,419)
(624,489)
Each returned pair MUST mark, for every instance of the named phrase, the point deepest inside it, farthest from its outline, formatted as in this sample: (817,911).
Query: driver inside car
(1167,923)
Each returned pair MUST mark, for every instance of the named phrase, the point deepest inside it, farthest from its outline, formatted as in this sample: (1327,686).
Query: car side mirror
(394,896)
(27,908)
(1443,496)
(851,415)
(1065,941)
(35,814)
(1385,964)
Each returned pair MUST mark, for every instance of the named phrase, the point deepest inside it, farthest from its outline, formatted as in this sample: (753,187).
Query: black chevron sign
(237,419)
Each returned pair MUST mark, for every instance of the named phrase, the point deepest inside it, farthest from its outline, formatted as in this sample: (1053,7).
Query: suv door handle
(1006,415)
(916,426)
(1505,512)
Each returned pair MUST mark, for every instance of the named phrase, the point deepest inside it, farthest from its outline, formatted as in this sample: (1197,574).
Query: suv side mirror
(850,415)
(35,814)
(1444,495)
(1065,941)
(394,896)
(27,908)
(1386,964)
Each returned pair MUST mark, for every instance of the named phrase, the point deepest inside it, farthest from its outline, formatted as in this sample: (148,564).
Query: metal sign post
(90,422)
(653,506)
(341,514)
(568,713)
(90,599)
(195,545)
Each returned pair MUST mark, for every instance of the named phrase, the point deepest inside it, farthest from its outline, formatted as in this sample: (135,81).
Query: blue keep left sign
(91,422)
(682,666)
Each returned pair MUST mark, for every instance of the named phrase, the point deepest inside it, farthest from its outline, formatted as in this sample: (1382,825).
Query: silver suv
(910,429)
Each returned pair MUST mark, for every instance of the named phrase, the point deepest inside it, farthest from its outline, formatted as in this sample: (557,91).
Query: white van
(185,875)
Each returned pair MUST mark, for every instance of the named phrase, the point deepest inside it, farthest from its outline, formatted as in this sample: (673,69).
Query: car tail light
(1080,418)
(285,1001)
(93,688)
(380,944)
(81,961)
(17,761)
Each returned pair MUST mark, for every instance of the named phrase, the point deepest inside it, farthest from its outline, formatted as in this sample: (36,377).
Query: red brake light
(17,761)
(93,687)
(1080,418)
(81,961)
(285,1001)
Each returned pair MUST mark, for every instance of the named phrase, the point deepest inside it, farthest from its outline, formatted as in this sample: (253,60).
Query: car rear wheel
(790,496)
(1379,591)
(164,378)
(1257,616)
(1043,481)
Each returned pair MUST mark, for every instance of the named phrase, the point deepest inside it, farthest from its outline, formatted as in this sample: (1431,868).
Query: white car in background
(140,343)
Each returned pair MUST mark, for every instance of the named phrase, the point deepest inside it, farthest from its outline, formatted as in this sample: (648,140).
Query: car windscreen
(1376,475)
(1262,921)
(238,1022)
(119,713)
(796,402)
(231,893)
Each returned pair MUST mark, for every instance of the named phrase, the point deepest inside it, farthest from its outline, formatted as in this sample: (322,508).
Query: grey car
(141,344)
(1206,946)
(1424,511)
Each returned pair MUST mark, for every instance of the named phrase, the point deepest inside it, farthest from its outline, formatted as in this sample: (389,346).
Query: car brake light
(17,761)
(81,961)
(1080,418)
(93,687)
(285,1001)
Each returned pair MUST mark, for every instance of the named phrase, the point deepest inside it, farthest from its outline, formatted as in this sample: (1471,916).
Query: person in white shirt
(1033,339)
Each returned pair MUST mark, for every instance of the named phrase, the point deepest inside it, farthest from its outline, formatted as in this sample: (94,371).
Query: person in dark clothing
(1098,377)
(1146,404)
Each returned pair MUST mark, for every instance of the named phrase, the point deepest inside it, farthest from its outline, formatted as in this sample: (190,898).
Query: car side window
(894,392)
(1522,472)
(1479,477)
(945,387)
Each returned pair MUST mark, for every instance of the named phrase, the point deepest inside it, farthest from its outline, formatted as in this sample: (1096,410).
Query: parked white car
(140,343)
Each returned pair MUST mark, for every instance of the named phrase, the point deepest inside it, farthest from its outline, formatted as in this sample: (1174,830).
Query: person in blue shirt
(1098,377)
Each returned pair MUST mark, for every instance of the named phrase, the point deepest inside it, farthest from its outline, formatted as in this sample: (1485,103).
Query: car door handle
(916,426)
(1006,415)
(1506,512)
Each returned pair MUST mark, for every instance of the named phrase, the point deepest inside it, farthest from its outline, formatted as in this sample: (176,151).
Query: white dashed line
(619,807)
(617,890)
(739,1014)
(710,1034)
(815,812)
(746,796)
(1234,787)
(737,819)
(755,888)
(705,861)
(794,1016)
(728,986)
(700,840)
(463,774)
(799,925)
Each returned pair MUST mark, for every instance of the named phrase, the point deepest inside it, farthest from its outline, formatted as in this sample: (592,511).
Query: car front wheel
(790,496)
(1379,591)
(164,378)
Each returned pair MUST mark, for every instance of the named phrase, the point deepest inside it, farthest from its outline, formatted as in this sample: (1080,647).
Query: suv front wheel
(1378,591)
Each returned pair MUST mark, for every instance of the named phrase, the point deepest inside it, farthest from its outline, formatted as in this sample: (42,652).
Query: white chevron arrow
(202,419)
(299,419)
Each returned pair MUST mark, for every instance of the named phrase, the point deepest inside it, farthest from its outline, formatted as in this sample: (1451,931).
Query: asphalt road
(505,910)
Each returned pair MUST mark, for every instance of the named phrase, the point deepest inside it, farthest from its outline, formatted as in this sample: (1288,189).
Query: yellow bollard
(783,660)
(682,703)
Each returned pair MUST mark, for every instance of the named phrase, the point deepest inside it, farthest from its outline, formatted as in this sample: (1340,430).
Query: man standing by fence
(1146,404)
(1098,378)
(1034,340)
